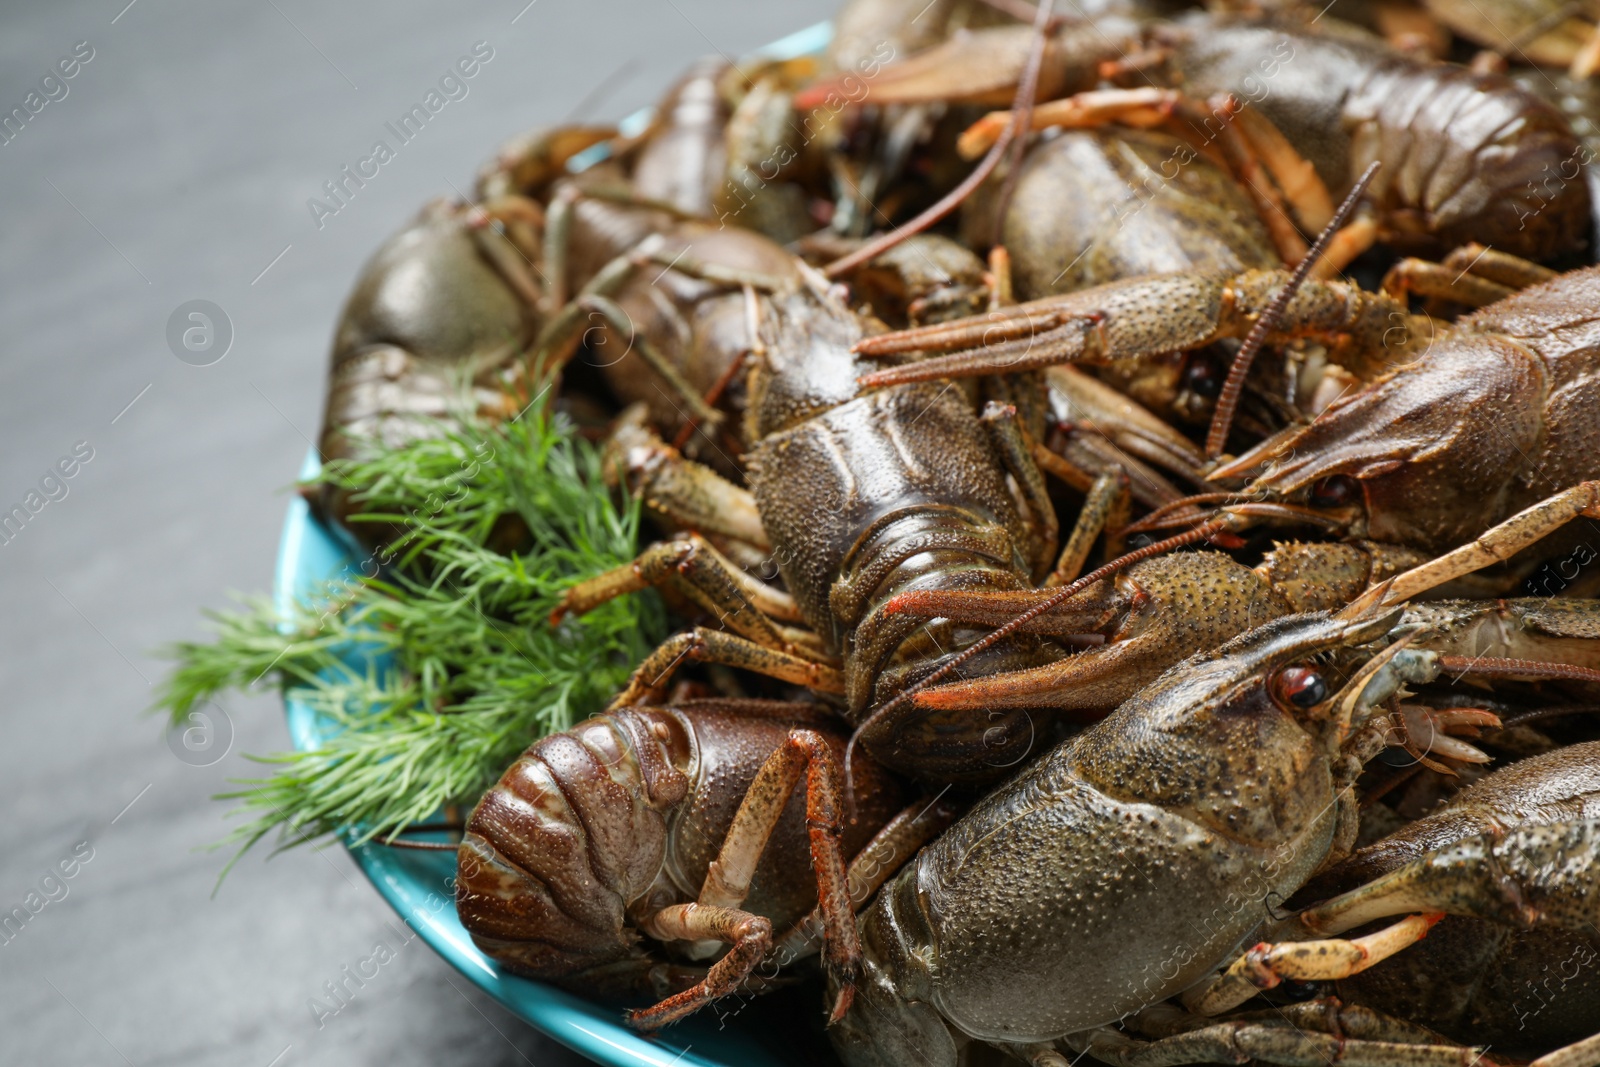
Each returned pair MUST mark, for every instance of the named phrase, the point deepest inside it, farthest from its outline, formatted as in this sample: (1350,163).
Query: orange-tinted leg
(1503,267)
(749,935)
(1266,965)
(716,915)
(730,650)
(889,849)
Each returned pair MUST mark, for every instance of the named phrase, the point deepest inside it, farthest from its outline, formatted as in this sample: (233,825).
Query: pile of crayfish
(1126,480)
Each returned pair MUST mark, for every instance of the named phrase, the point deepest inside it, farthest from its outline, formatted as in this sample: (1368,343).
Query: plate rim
(309,556)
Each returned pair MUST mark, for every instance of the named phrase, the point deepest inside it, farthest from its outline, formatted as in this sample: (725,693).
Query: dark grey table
(175,165)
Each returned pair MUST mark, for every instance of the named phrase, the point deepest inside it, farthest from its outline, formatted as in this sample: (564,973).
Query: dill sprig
(430,677)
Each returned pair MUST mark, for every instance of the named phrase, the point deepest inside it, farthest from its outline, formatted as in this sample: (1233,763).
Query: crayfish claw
(1426,732)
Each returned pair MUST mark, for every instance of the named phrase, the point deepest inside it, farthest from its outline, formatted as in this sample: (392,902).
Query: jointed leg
(686,494)
(509,250)
(1421,278)
(1324,1015)
(558,239)
(1063,468)
(1267,1041)
(1495,545)
(1008,440)
(734,867)
(1352,239)
(755,351)
(1001,292)
(1511,271)
(528,162)
(1302,186)
(749,935)
(1105,510)
(1252,144)
(898,841)
(571,322)
(561,338)
(1535,874)
(714,646)
(1088,453)
(1266,965)
(888,850)
(1587,60)
(1246,167)
(1472,274)
(803,753)
(697,571)
(1090,404)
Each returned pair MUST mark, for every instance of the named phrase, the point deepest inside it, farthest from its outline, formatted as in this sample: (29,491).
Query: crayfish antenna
(1184,510)
(1228,399)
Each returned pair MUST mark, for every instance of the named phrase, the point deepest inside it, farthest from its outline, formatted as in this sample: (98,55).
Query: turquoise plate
(418,884)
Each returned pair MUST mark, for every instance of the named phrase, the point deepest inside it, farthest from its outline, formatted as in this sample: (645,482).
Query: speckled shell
(1479,982)
(1115,871)
(1433,478)
(825,482)
(427,317)
(865,496)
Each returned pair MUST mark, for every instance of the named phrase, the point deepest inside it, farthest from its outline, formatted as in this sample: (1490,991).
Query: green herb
(435,675)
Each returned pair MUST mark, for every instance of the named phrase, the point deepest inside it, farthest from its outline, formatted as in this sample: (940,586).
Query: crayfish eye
(1203,375)
(1299,687)
(1334,492)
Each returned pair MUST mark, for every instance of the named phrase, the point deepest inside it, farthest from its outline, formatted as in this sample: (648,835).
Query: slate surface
(177,167)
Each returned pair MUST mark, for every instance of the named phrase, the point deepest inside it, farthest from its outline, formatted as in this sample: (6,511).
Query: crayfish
(879,481)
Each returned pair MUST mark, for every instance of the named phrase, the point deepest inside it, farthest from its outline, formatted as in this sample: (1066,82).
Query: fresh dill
(431,674)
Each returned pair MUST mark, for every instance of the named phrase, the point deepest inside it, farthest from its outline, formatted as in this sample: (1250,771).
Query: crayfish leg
(804,753)
(696,571)
(1547,873)
(1106,509)
(1419,277)
(1509,270)
(1266,965)
(1495,545)
(878,861)
(1012,447)
(716,916)
(729,650)
(749,935)
(1266,1041)
(1473,275)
